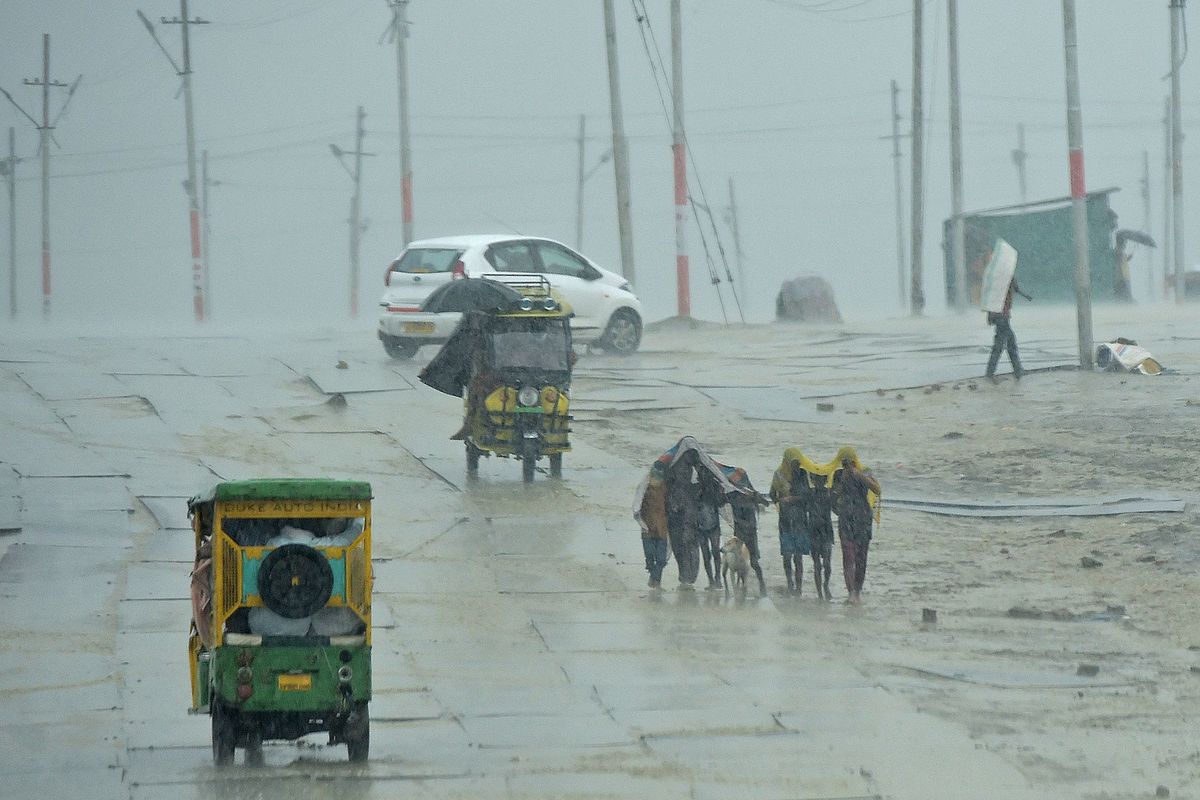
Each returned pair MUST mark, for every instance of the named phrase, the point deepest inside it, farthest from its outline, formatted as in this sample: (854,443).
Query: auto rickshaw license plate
(295,683)
(418,327)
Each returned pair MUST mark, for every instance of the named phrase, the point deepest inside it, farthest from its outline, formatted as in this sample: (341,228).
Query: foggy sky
(786,97)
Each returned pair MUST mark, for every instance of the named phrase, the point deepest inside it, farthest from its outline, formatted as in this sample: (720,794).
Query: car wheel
(624,332)
(400,349)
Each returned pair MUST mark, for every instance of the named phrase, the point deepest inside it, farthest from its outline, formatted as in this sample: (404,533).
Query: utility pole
(10,173)
(899,182)
(199,278)
(1177,148)
(1167,256)
(683,292)
(579,187)
(917,303)
(1146,221)
(737,241)
(958,239)
(205,230)
(1018,156)
(620,146)
(356,225)
(1083,276)
(399,30)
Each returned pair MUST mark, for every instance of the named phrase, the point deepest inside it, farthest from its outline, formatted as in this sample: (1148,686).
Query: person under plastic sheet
(1005,338)
(707,499)
(856,501)
(681,517)
(745,528)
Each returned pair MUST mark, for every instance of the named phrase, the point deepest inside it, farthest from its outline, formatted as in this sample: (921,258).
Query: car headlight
(528,396)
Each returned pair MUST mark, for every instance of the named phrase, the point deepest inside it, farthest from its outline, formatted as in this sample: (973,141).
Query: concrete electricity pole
(620,147)
(1177,148)
(199,278)
(1168,161)
(579,186)
(8,167)
(899,183)
(399,30)
(356,226)
(683,292)
(917,290)
(1083,275)
(737,242)
(1018,156)
(205,182)
(958,236)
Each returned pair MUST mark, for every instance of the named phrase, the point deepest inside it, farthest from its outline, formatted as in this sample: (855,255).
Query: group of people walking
(678,507)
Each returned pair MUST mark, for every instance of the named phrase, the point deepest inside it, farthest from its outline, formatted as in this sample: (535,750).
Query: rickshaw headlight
(526,304)
(549,304)
(528,396)
(345,673)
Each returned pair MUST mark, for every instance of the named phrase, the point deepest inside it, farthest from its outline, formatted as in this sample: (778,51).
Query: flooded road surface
(517,650)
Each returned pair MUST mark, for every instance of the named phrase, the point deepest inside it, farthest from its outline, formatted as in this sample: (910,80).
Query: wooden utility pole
(1146,221)
(683,292)
(400,31)
(355,221)
(958,242)
(898,179)
(204,229)
(10,172)
(579,185)
(1018,156)
(1177,148)
(737,242)
(620,146)
(917,289)
(1167,258)
(1083,275)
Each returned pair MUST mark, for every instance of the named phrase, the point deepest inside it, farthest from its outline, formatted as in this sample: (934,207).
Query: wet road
(518,652)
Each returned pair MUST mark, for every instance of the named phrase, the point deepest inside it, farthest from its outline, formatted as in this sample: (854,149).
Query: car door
(576,280)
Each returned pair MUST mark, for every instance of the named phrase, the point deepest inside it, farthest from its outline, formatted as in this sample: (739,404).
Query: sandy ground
(518,651)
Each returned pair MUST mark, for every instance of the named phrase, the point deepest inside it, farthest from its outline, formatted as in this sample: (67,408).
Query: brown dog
(736,560)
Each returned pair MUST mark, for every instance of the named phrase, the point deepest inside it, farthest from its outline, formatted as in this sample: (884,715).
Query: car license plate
(295,683)
(418,327)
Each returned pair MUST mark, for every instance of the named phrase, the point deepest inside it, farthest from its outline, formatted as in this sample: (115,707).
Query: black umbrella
(1135,236)
(471,294)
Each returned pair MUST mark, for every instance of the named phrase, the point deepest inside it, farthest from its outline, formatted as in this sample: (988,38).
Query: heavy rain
(598,400)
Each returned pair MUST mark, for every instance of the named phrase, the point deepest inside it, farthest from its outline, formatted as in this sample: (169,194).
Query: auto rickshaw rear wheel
(556,465)
(472,460)
(358,734)
(254,749)
(224,733)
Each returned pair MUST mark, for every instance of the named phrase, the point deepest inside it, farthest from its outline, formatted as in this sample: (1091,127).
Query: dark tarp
(450,369)
(471,294)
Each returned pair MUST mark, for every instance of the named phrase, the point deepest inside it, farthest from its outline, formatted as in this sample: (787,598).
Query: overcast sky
(788,98)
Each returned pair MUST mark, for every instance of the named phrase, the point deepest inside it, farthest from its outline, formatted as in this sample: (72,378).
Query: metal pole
(899,182)
(683,293)
(204,231)
(917,290)
(1146,221)
(579,187)
(737,241)
(12,224)
(620,146)
(355,205)
(1019,155)
(1167,257)
(198,277)
(958,243)
(1083,276)
(44,140)
(1176,149)
(400,8)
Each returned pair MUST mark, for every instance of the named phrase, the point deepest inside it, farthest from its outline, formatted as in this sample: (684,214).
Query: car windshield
(427,259)
(535,344)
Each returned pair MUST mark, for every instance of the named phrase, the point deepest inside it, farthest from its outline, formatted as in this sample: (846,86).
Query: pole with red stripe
(679,152)
(1083,275)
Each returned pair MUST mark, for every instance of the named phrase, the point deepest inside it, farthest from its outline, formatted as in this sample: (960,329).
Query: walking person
(681,517)
(708,530)
(856,501)
(653,519)
(792,493)
(1005,338)
(820,530)
(745,528)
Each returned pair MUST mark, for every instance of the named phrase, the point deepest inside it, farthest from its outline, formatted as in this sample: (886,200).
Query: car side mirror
(591,274)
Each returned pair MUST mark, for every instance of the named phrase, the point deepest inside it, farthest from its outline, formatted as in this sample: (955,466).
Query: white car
(607,312)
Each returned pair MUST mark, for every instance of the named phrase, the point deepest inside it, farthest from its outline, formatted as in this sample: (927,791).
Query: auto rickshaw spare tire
(295,581)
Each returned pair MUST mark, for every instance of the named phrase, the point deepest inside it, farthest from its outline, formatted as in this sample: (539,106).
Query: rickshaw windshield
(532,344)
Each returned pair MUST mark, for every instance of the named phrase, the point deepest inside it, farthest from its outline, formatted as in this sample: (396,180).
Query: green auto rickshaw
(280,641)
